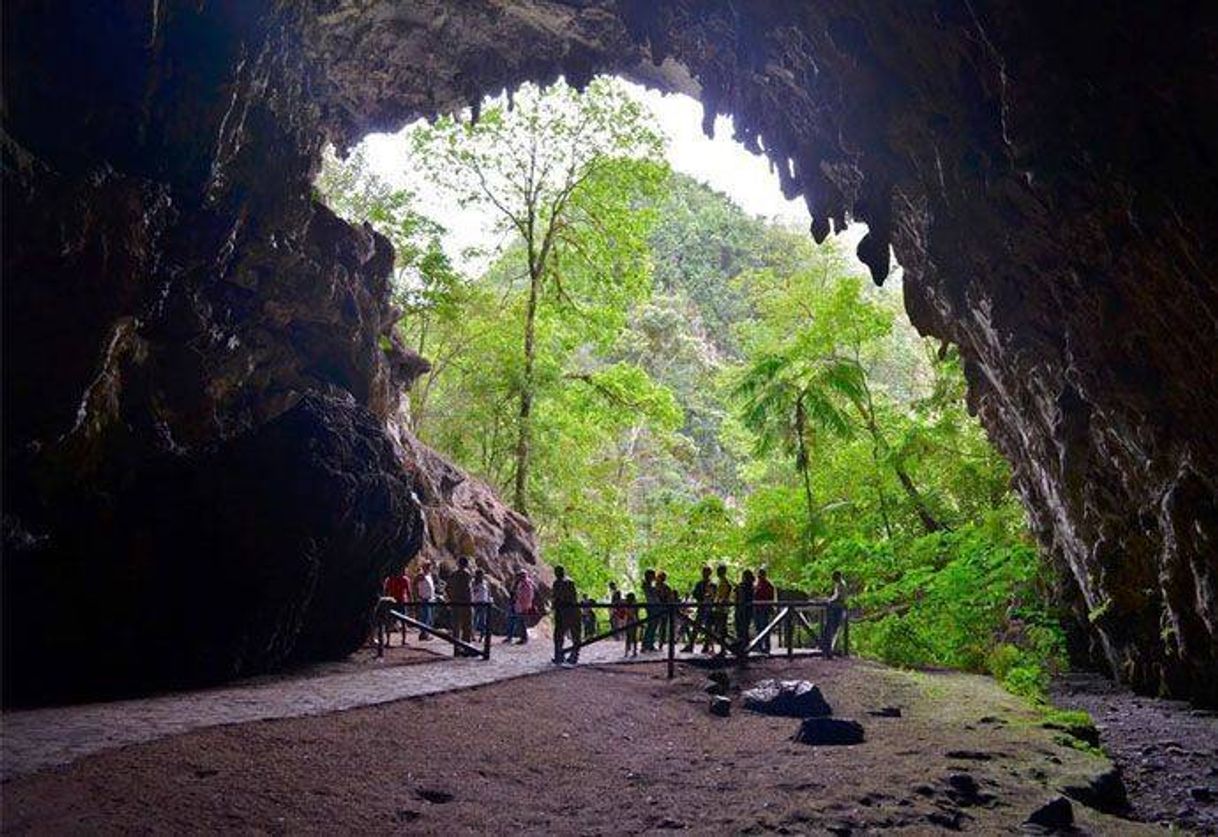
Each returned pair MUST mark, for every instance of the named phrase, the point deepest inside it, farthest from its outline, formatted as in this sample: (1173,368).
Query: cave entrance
(631,336)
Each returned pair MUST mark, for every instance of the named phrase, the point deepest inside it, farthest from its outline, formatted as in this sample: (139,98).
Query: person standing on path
(523,593)
(397,587)
(425,593)
(480,595)
(566,616)
(834,613)
(632,626)
(723,600)
(703,593)
(650,596)
(590,621)
(763,611)
(664,596)
(615,599)
(744,609)
(460,594)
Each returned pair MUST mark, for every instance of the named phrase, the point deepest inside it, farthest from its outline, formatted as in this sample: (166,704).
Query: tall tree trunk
(802,462)
(873,429)
(524,440)
(929,522)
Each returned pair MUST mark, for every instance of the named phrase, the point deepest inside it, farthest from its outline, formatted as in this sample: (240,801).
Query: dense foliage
(690,384)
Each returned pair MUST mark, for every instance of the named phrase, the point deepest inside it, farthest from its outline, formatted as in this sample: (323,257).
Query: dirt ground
(593,750)
(1167,750)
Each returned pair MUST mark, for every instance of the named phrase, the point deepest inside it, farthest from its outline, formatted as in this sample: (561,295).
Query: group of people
(718,611)
(725,613)
(423,593)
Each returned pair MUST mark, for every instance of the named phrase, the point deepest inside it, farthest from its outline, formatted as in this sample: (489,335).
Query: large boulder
(787,698)
(229,561)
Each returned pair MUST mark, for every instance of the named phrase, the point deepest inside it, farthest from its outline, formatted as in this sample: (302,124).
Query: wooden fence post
(790,631)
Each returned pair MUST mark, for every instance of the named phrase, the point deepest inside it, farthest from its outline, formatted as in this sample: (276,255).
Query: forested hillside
(661,380)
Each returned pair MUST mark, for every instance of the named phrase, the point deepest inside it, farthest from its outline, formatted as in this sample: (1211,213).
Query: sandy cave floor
(595,750)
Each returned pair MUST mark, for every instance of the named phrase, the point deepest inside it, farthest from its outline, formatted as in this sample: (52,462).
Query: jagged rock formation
(1045,176)
(466,518)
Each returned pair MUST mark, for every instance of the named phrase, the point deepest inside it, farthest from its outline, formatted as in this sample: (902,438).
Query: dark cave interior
(198,407)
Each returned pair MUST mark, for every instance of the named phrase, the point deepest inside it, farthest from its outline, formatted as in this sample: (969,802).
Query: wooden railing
(786,617)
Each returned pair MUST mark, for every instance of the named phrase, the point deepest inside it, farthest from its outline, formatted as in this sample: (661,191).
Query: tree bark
(524,440)
(802,462)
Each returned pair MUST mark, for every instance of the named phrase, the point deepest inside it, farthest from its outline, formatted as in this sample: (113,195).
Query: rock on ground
(788,698)
(829,731)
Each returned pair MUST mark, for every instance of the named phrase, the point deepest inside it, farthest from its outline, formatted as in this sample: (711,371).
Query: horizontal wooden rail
(458,644)
(672,613)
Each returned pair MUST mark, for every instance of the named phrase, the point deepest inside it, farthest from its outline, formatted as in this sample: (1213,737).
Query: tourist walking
(480,595)
(615,599)
(566,616)
(764,596)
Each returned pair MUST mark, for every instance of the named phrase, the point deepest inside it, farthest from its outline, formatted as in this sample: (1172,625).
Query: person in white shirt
(480,595)
(834,613)
(425,592)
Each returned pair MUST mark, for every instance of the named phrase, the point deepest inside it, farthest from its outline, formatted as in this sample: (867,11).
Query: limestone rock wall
(1045,172)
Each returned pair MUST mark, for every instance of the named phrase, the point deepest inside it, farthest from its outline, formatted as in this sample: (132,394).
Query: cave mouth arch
(224,318)
(390,167)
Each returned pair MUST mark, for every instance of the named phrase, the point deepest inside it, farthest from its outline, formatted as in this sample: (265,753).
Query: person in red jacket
(763,611)
(397,587)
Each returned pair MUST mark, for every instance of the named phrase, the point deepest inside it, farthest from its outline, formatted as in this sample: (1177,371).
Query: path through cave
(197,403)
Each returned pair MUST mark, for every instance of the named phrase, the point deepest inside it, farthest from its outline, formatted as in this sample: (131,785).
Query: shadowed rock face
(1045,176)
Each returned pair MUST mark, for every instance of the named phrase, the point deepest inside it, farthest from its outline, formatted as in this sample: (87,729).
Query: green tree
(566,173)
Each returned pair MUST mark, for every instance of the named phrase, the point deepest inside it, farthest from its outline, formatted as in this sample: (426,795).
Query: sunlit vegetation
(659,379)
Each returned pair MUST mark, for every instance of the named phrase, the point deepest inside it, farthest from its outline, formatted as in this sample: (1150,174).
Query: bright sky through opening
(721,163)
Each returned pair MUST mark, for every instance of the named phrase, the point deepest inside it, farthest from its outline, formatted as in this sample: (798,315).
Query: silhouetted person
(703,593)
(615,599)
(590,625)
(651,596)
(723,599)
(744,609)
(459,591)
(834,613)
(632,626)
(664,595)
(763,611)
(566,616)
